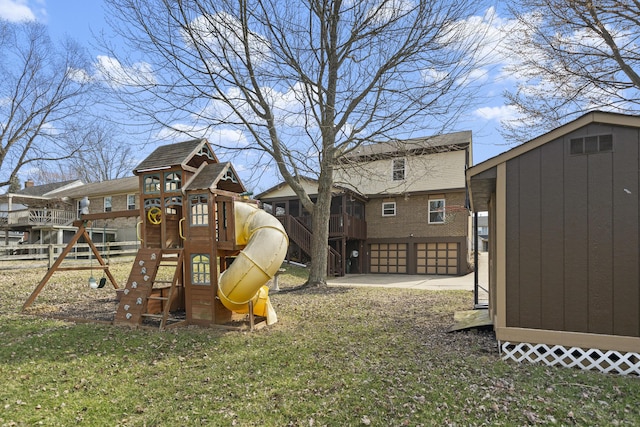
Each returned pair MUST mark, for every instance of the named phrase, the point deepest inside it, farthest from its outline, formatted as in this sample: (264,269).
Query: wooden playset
(197,223)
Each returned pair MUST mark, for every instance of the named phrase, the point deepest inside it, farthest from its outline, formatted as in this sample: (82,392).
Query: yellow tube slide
(266,246)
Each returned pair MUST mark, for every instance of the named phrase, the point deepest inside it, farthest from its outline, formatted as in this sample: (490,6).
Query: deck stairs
(138,296)
(301,236)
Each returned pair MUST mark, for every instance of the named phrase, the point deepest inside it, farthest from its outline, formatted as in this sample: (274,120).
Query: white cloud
(79,75)
(16,11)
(220,33)
(180,132)
(116,75)
(387,10)
(226,137)
(504,112)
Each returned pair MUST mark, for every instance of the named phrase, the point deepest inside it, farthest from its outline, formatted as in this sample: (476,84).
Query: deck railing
(37,216)
(301,235)
(342,225)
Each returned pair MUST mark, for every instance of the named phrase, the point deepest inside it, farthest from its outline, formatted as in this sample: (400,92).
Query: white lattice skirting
(608,361)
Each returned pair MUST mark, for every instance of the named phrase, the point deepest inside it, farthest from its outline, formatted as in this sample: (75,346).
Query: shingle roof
(42,190)
(213,175)
(129,184)
(207,176)
(446,142)
(281,184)
(170,155)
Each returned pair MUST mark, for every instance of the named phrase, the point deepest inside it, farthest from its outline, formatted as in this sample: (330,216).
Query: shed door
(437,258)
(388,258)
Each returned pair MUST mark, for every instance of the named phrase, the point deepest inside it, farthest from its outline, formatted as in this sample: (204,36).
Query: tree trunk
(320,229)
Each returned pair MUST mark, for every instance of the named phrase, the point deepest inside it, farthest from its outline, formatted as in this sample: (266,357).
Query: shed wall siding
(573,237)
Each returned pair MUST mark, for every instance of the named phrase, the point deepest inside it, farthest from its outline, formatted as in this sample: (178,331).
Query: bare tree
(573,56)
(305,82)
(42,89)
(100,153)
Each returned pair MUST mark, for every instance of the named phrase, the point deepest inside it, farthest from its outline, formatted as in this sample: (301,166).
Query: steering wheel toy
(155,215)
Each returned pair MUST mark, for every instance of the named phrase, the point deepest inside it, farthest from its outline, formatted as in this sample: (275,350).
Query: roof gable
(482,178)
(220,176)
(188,153)
(607,118)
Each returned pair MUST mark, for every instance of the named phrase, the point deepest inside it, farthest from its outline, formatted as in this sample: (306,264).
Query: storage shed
(564,244)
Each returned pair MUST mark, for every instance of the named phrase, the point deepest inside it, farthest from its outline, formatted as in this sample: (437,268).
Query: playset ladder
(133,307)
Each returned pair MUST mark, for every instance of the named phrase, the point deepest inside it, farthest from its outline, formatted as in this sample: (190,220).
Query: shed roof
(481,178)
(180,153)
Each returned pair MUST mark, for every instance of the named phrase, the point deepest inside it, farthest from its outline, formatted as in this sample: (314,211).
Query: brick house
(114,195)
(409,202)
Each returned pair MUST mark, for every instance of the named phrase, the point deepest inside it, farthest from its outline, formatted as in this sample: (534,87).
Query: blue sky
(79,18)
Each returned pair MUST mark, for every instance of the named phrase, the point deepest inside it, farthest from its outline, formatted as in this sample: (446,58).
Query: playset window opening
(151,184)
(199,210)
(172,181)
(200,269)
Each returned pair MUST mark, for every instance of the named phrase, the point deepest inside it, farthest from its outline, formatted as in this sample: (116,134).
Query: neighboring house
(121,194)
(34,208)
(398,207)
(564,244)
(45,213)
(483,233)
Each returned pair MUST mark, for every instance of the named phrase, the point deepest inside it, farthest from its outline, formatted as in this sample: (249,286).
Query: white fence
(81,251)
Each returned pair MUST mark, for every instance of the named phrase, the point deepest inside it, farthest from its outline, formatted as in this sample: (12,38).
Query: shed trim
(568,339)
(500,318)
(592,117)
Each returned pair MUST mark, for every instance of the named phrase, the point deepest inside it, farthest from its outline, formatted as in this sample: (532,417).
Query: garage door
(388,258)
(437,258)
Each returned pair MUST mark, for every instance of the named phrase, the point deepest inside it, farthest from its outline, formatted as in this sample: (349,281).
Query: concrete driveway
(431,282)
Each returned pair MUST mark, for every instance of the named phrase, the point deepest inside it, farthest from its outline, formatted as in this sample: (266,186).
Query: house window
(131,202)
(107,204)
(200,269)
(172,181)
(436,211)
(151,184)
(389,209)
(199,209)
(398,167)
(591,144)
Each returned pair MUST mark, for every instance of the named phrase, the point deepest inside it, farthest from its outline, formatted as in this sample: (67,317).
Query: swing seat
(103,281)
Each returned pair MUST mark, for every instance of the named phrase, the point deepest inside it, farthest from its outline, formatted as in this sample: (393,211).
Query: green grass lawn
(336,357)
